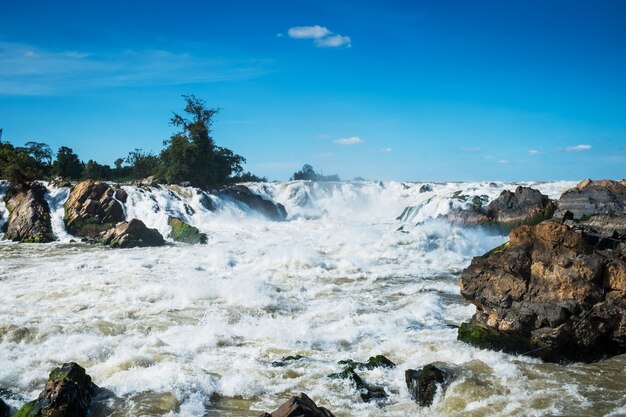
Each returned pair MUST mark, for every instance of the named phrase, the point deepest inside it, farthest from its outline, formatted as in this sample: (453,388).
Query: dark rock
(151,181)
(5,410)
(68,393)
(29,214)
(299,406)
(590,198)
(206,201)
(426,188)
(183,232)
(266,207)
(60,182)
(131,234)
(91,208)
(423,383)
(287,359)
(510,209)
(121,195)
(555,291)
(368,391)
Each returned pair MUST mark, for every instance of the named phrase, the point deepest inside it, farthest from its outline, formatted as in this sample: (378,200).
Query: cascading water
(193,330)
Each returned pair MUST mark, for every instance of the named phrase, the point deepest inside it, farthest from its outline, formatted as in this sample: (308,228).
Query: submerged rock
(29,214)
(523,206)
(590,198)
(68,393)
(5,410)
(271,210)
(367,391)
(556,291)
(426,188)
(132,234)
(423,383)
(185,233)
(300,406)
(91,208)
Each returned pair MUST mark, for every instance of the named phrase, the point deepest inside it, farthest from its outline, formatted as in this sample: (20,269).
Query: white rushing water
(192,330)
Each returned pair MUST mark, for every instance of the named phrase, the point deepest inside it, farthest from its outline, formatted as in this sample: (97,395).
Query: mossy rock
(493,339)
(423,383)
(287,359)
(496,249)
(30,409)
(185,233)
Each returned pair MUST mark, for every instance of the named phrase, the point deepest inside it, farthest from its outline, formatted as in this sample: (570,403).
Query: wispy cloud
(470,149)
(386,149)
(534,152)
(321,36)
(503,161)
(28,70)
(353,140)
(578,148)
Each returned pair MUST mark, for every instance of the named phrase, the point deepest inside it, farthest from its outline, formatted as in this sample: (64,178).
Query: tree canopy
(308,173)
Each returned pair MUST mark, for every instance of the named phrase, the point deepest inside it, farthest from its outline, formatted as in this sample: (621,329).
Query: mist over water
(192,330)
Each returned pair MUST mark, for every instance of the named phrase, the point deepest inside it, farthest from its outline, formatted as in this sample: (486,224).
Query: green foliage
(308,173)
(142,164)
(67,165)
(191,155)
(17,166)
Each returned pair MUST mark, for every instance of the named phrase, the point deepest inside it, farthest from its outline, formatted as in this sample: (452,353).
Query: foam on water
(178,330)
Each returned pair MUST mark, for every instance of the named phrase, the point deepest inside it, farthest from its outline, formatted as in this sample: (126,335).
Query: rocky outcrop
(300,406)
(423,383)
(367,391)
(131,234)
(68,393)
(523,206)
(93,207)
(29,214)
(591,198)
(185,233)
(554,291)
(257,203)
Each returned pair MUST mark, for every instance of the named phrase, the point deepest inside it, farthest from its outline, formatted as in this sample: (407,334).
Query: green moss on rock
(185,233)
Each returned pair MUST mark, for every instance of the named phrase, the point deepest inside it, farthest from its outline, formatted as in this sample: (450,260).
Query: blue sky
(519,90)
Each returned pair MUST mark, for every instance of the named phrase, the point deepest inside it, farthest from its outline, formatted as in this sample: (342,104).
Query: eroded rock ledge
(554,291)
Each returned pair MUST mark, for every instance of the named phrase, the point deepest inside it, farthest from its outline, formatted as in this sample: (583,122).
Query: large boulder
(131,234)
(271,210)
(510,209)
(185,233)
(590,198)
(554,291)
(93,207)
(300,406)
(68,393)
(29,218)
(5,410)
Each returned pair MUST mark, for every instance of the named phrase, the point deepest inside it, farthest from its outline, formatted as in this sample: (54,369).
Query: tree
(308,173)
(142,164)
(67,165)
(191,155)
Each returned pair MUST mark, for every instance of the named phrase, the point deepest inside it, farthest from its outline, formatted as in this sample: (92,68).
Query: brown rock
(591,198)
(555,291)
(131,234)
(29,215)
(91,208)
(299,406)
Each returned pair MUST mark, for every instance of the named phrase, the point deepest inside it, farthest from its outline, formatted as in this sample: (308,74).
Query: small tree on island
(308,173)
(191,155)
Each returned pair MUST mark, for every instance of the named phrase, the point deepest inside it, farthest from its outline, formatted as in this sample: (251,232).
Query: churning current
(194,330)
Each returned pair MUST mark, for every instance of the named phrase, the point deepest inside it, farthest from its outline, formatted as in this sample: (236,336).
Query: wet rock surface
(132,234)
(67,393)
(5,410)
(523,206)
(423,383)
(590,198)
(367,391)
(555,291)
(93,207)
(299,406)
(271,210)
(29,218)
(185,233)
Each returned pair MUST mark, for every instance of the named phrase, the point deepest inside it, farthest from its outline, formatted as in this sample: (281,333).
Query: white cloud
(578,148)
(308,32)
(322,37)
(503,161)
(353,140)
(29,70)
(534,152)
(333,41)
(386,149)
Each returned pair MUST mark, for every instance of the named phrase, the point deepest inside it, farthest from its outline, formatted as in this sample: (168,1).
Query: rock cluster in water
(556,290)
(299,406)
(523,206)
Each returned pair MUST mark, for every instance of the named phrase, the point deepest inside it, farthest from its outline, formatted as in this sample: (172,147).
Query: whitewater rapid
(193,330)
